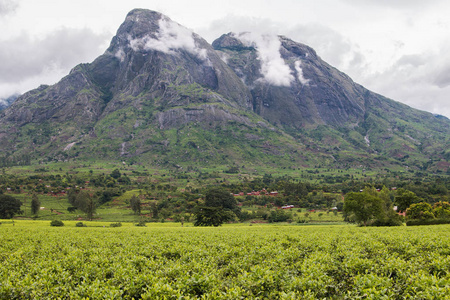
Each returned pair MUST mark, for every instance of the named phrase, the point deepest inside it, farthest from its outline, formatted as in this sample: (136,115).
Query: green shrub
(417,222)
(420,211)
(80,224)
(278,215)
(118,224)
(57,223)
(141,224)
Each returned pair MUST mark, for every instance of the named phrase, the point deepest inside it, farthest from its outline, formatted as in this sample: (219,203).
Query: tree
(219,207)
(388,217)
(90,207)
(404,199)
(441,210)
(362,207)
(9,206)
(115,174)
(35,204)
(72,196)
(84,202)
(420,211)
(135,204)
(155,210)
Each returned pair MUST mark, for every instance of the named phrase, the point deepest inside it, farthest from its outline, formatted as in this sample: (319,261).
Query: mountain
(162,95)
(5,102)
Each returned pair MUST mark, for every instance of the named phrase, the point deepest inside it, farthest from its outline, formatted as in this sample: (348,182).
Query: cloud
(27,60)
(397,4)
(170,37)
(273,67)
(332,46)
(120,54)
(7,7)
(442,77)
(420,80)
(300,76)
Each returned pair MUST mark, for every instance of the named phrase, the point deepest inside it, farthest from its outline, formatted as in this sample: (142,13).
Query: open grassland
(167,261)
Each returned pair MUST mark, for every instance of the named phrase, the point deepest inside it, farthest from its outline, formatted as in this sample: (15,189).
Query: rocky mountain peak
(138,23)
(231,41)
(162,90)
(146,31)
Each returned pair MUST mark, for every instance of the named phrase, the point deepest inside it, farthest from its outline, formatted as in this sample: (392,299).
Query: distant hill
(5,102)
(161,95)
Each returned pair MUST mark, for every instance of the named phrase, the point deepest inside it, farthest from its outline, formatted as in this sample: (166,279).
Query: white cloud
(8,6)
(273,67)
(23,57)
(397,4)
(300,76)
(27,62)
(170,37)
(48,75)
(120,54)
(420,80)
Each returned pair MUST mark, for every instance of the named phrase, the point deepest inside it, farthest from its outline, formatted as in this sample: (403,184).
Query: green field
(243,261)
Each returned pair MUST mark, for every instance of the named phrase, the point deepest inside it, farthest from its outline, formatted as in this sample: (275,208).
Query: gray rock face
(316,94)
(153,54)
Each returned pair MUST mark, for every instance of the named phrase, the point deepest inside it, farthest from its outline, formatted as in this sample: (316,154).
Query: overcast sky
(398,48)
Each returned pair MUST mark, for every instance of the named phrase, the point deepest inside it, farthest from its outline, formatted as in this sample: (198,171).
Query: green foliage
(388,217)
(117,224)
(420,211)
(404,198)
(135,204)
(424,214)
(212,216)
(420,222)
(362,207)
(9,206)
(371,207)
(141,224)
(115,174)
(107,195)
(232,262)
(57,223)
(219,207)
(83,201)
(35,204)
(80,224)
(278,215)
(219,197)
(441,210)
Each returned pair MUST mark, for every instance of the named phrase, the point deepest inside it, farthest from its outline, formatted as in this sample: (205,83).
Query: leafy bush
(387,222)
(420,211)
(278,215)
(118,224)
(141,224)
(80,224)
(418,222)
(56,223)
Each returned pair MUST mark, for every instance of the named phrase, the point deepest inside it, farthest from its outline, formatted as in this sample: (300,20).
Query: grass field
(243,261)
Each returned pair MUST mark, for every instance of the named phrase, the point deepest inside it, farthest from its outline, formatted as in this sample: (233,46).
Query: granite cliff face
(290,84)
(160,94)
